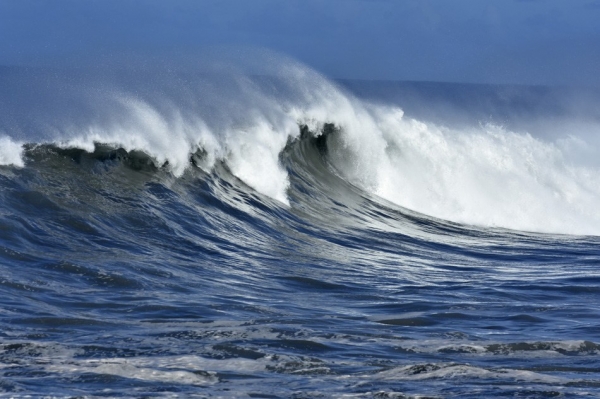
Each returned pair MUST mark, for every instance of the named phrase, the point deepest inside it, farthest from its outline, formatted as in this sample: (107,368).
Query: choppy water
(251,237)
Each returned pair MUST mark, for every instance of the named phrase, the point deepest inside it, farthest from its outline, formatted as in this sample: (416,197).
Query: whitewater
(273,232)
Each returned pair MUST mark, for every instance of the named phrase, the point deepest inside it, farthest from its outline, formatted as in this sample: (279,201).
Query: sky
(554,42)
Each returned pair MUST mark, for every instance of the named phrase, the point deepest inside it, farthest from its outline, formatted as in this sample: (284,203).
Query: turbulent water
(224,234)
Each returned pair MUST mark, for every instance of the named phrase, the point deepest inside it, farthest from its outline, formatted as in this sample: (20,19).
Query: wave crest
(484,175)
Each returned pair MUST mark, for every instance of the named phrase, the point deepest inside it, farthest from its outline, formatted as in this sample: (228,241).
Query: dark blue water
(121,277)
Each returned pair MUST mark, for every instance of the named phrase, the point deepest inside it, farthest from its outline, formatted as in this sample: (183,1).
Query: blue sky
(489,41)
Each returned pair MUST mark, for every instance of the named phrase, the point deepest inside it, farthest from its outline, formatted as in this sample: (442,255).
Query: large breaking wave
(484,175)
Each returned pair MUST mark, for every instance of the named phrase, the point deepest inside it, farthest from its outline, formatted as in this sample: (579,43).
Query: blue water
(123,276)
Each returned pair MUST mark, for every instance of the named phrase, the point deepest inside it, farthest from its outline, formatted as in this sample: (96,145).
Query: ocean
(229,234)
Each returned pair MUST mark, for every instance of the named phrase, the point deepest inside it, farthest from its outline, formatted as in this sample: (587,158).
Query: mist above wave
(484,174)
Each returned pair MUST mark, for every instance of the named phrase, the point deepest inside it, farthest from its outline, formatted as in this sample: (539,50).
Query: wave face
(280,234)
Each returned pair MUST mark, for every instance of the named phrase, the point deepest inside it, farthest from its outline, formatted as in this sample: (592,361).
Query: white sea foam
(140,369)
(486,176)
(253,157)
(457,371)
